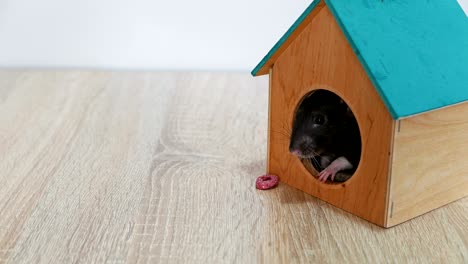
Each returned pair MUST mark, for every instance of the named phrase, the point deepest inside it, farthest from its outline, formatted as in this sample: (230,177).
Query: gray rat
(325,131)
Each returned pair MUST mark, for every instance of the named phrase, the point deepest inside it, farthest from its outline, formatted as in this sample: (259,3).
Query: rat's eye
(319,119)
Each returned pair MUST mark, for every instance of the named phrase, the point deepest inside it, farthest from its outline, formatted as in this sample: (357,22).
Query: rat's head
(316,124)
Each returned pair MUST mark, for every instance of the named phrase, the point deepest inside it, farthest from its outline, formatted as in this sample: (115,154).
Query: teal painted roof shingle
(415,52)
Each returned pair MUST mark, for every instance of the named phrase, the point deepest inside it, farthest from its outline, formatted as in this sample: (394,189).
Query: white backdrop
(142,34)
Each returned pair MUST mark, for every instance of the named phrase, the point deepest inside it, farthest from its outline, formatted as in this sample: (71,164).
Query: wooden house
(402,68)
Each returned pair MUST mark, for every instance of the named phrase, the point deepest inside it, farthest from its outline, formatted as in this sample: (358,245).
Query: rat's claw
(325,174)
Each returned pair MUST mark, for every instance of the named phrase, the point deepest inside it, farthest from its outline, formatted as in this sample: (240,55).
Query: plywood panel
(430,167)
(321,58)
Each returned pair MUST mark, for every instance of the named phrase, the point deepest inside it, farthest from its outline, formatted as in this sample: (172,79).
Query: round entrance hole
(325,137)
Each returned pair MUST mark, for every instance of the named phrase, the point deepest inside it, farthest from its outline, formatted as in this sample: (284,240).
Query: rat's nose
(302,147)
(295,152)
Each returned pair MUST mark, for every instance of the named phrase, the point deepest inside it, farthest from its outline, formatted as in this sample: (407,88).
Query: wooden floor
(117,167)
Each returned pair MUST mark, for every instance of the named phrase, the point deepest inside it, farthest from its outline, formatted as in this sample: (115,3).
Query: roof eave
(283,43)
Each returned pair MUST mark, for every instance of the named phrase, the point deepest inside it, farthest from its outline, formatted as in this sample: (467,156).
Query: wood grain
(310,63)
(140,167)
(430,166)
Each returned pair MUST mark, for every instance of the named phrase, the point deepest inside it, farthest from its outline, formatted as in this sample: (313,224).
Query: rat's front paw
(326,173)
(339,164)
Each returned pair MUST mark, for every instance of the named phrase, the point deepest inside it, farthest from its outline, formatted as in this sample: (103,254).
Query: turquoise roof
(415,52)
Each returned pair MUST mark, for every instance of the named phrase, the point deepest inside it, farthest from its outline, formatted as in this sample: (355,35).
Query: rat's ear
(349,112)
(344,106)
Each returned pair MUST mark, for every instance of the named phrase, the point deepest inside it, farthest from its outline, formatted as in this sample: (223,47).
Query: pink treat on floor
(266,182)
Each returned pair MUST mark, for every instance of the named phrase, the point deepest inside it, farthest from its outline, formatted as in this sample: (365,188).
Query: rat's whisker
(286,131)
(280,133)
(283,127)
(317,164)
